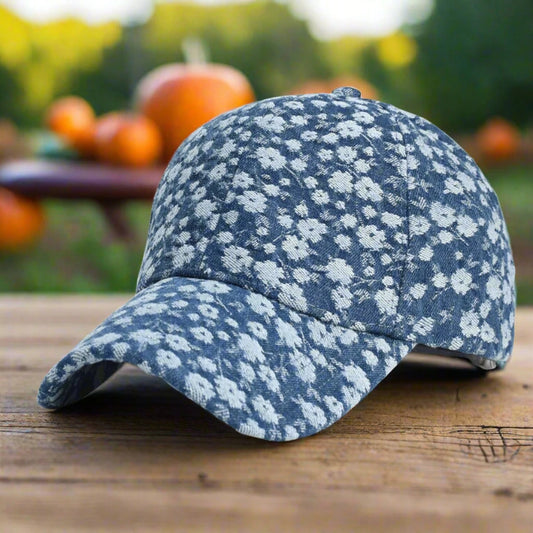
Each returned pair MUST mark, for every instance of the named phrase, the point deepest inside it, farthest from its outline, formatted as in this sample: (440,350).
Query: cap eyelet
(347,92)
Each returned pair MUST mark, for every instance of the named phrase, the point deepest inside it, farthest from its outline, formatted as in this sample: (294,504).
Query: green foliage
(475,61)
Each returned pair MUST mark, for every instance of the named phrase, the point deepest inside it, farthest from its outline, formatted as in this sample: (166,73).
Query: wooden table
(437,447)
(106,185)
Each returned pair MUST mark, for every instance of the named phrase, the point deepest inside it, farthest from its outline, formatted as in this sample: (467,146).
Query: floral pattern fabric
(350,219)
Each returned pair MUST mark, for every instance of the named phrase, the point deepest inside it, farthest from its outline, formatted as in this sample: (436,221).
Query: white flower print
(207,365)
(418,225)
(334,405)
(303,367)
(371,237)
(443,215)
(252,201)
(343,242)
(424,326)
(461,281)
(261,305)
(269,273)
(287,334)
(469,324)
(229,391)
(268,376)
(349,129)
(205,209)
(295,248)
(198,388)
(178,343)
(426,253)
(367,189)
(320,197)
(391,220)
(185,254)
(493,288)
(265,410)
(354,374)
(251,348)
(347,154)
(387,301)
(270,158)
(466,226)
(208,311)
(487,333)
(339,271)
(313,414)
(341,182)
(257,330)
(312,229)
(236,259)
(252,428)
(202,334)
(167,359)
(271,123)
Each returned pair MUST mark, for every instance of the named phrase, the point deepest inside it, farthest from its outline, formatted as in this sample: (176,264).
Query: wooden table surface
(436,447)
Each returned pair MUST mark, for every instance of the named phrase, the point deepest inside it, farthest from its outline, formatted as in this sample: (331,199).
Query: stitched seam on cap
(289,308)
(408,244)
(394,114)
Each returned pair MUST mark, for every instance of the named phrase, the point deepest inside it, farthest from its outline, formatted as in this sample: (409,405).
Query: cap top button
(348,92)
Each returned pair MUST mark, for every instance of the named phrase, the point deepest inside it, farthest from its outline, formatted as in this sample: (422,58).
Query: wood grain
(437,446)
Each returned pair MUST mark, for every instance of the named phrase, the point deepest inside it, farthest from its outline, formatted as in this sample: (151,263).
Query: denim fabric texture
(299,247)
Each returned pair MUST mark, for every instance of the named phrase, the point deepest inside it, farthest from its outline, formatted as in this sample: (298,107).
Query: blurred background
(466,66)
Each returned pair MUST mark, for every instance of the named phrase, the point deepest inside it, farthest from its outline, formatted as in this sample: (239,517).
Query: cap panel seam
(401,326)
(199,277)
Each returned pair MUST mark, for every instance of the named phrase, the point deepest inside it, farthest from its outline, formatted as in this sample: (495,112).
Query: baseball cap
(299,248)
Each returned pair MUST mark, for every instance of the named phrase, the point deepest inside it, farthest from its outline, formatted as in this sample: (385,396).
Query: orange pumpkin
(179,98)
(127,139)
(498,140)
(21,220)
(326,86)
(72,119)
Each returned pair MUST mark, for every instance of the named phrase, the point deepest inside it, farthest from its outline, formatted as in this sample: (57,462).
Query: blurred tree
(475,61)
(40,60)
(263,39)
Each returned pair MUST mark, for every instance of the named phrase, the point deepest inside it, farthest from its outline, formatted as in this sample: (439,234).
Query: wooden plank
(437,446)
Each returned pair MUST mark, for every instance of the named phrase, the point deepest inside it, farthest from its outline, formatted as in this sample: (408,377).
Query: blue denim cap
(299,248)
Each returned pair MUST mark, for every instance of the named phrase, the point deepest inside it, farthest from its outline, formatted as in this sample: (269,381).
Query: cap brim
(265,370)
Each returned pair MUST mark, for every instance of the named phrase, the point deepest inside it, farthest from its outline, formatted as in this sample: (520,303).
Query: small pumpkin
(21,220)
(72,119)
(127,139)
(498,140)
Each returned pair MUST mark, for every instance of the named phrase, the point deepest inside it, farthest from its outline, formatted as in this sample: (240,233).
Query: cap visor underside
(265,370)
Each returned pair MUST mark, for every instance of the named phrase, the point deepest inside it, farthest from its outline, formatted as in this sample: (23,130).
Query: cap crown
(346,209)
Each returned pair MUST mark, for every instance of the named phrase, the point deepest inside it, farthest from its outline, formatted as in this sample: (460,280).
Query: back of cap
(458,290)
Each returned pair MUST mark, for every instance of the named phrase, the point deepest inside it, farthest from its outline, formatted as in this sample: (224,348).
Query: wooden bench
(437,446)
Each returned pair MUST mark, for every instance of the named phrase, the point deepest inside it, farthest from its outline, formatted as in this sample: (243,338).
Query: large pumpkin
(179,98)
(21,220)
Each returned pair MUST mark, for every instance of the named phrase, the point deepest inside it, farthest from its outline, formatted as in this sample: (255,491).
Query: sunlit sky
(327,18)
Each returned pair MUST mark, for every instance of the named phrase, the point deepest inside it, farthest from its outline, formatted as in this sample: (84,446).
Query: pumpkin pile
(170,103)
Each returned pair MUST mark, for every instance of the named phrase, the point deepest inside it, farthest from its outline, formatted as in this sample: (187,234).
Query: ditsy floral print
(299,248)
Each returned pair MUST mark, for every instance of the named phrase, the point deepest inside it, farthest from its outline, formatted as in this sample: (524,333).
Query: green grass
(77,253)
